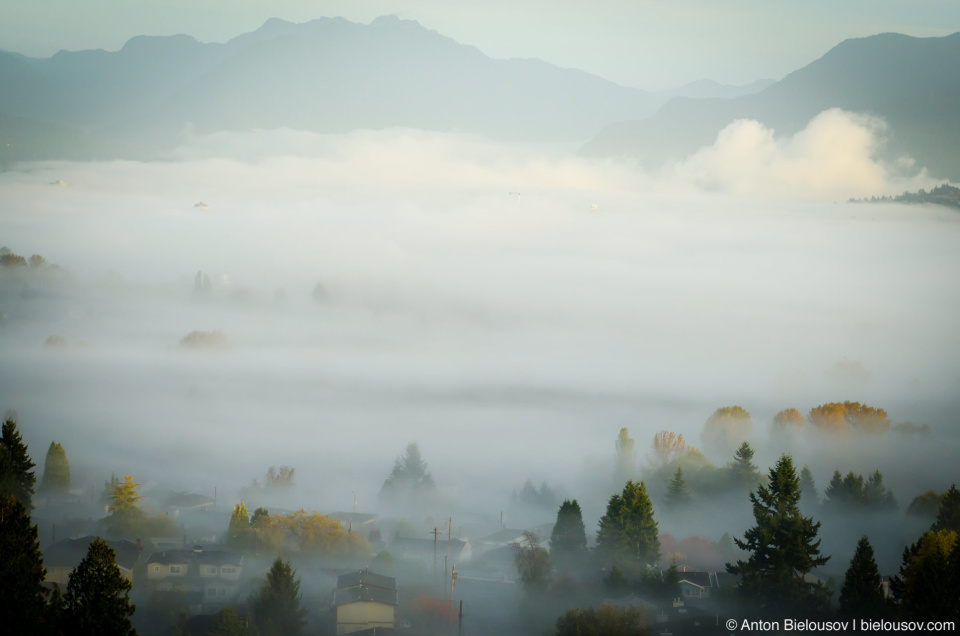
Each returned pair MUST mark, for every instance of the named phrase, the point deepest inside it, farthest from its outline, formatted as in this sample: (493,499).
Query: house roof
(409,546)
(725,578)
(187,500)
(69,552)
(365,594)
(203,557)
(365,585)
(365,578)
(699,579)
(505,536)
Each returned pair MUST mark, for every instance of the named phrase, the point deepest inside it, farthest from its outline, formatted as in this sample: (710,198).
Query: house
(695,584)
(426,549)
(204,577)
(178,503)
(63,557)
(365,601)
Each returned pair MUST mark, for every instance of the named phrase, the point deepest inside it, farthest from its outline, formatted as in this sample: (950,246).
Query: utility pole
(435,534)
(453,579)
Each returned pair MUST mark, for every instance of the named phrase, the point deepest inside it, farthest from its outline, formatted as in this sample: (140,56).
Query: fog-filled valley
(447,335)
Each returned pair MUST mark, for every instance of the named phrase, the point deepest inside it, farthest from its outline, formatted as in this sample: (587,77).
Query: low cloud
(834,157)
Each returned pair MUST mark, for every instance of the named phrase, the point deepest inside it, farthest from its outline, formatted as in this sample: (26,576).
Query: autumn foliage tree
(726,428)
(841,417)
(668,446)
(789,419)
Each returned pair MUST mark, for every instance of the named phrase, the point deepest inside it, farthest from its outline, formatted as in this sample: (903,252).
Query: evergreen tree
(628,531)
(862,593)
(409,477)
(98,596)
(853,492)
(929,588)
(677,492)
(808,488)
(569,537)
(56,469)
(22,595)
(16,468)
(948,517)
(626,459)
(239,531)
(783,547)
(276,605)
(743,472)
(226,623)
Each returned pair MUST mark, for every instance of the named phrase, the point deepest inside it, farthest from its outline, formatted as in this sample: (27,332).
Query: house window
(174,569)
(156,568)
(223,591)
(228,570)
(211,569)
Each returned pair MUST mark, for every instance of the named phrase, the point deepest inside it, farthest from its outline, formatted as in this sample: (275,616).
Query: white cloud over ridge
(833,158)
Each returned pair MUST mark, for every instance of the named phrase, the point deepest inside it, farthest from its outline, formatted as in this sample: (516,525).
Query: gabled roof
(69,552)
(699,579)
(187,500)
(409,546)
(204,557)
(365,578)
(365,586)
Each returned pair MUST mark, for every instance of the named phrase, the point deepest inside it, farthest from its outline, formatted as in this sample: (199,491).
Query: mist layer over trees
(554,351)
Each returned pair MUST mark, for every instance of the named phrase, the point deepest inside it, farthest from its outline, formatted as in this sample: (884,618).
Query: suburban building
(201,577)
(62,557)
(365,601)
(424,549)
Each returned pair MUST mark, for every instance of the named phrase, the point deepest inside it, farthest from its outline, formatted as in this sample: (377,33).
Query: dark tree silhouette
(783,547)
(98,596)
(862,593)
(22,595)
(17,478)
(276,605)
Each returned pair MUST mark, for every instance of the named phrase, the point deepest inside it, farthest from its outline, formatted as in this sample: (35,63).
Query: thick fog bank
(510,309)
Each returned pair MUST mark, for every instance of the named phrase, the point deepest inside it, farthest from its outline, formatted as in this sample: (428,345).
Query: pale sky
(652,44)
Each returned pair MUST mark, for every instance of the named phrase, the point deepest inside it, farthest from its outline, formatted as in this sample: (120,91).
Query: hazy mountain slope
(331,75)
(913,83)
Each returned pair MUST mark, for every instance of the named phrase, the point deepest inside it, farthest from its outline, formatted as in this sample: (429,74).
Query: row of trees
(97,597)
(783,549)
(309,533)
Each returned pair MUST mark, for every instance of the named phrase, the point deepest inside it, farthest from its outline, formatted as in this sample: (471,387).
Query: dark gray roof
(701,579)
(204,557)
(364,593)
(366,578)
(365,585)
(413,547)
(69,552)
(724,579)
